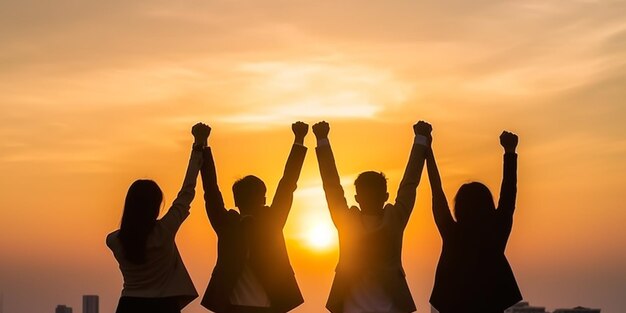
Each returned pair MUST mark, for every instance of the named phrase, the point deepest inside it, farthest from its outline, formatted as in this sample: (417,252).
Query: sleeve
(337,204)
(283,198)
(180,207)
(441,211)
(405,200)
(508,189)
(213,201)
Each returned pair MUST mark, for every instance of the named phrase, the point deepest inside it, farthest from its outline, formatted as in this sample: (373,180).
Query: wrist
(420,140)
(323,141)
(299,140)
(197,146)
(200,142)
(321,137)
(509,150)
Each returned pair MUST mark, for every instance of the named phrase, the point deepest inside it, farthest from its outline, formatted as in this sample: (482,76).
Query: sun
(321,236)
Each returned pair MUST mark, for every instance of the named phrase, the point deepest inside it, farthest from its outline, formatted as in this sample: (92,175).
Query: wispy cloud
(279,92)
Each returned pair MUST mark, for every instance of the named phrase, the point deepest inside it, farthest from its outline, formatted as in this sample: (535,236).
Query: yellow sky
(94,95)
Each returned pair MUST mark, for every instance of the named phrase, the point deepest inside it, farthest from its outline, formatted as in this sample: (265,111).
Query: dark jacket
(260,236)
(377,252)
(473,275)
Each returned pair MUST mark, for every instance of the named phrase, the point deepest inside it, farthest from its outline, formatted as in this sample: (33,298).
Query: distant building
(578,309)
(524,307)
(63,309)
(91,304)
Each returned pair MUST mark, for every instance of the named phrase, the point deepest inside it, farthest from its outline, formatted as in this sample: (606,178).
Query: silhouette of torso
(253,241)
(473,274)
(370,254)
(372,249)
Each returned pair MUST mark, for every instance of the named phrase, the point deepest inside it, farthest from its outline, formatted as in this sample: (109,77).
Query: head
(473,204)
(371,191)
(249,193)
(141,209)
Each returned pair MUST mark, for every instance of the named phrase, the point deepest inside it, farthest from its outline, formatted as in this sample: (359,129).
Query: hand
(422,128)
(321,130)
(508,141)
(300,129)
(201,133)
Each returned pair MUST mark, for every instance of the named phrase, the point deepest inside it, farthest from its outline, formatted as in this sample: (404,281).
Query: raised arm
(337,203)
(441,210)
(213,201)
(405,200)
(281,204)
(180,207)
(508,190)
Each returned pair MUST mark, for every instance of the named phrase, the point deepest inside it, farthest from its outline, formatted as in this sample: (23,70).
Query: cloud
(280,92)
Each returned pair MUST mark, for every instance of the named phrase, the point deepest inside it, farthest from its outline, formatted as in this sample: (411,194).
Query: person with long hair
(473,274)
(155,277)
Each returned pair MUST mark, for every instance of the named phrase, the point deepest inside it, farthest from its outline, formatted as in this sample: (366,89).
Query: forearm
(441,210)
(412,174)
(508,190)
(287,184)
(187,191)
(330,178)
(213,201)
(433,174)
(293,167)
(180,207)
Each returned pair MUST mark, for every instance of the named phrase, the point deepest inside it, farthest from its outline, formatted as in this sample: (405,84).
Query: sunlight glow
(320,236)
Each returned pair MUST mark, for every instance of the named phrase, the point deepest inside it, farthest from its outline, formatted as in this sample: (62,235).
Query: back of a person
(161,260)
(155,277)
(473,271)
(369,243)
(370,263)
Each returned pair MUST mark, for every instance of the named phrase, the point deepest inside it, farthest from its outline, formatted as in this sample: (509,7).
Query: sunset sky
(96,94)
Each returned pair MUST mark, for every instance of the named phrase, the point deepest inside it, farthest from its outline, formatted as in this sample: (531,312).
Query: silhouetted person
(253,273)
(473,275)
(155,278)
(369,277)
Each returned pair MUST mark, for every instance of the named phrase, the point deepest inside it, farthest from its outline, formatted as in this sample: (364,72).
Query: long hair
(474,204)
(141,210)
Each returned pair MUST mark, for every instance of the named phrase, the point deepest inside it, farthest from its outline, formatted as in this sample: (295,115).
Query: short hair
(247,189)
(371,181)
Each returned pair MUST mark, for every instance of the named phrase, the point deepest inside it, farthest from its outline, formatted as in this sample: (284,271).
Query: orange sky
(94,95)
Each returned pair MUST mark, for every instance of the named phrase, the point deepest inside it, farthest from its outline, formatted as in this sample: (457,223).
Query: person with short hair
(369,277)
(253,273)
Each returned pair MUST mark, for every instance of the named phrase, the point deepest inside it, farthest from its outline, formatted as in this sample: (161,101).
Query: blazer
(164,273)
(473,274)
(260,236)
(376,252)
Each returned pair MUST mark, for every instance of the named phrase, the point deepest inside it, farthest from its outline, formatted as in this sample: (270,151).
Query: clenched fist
(201,133)
(422,128)
(321,130)
(300,130)
(508,141)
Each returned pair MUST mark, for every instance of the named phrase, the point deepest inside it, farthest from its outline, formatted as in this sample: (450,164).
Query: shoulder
(232,216)
(354,210)
(390,210)
(111,239)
